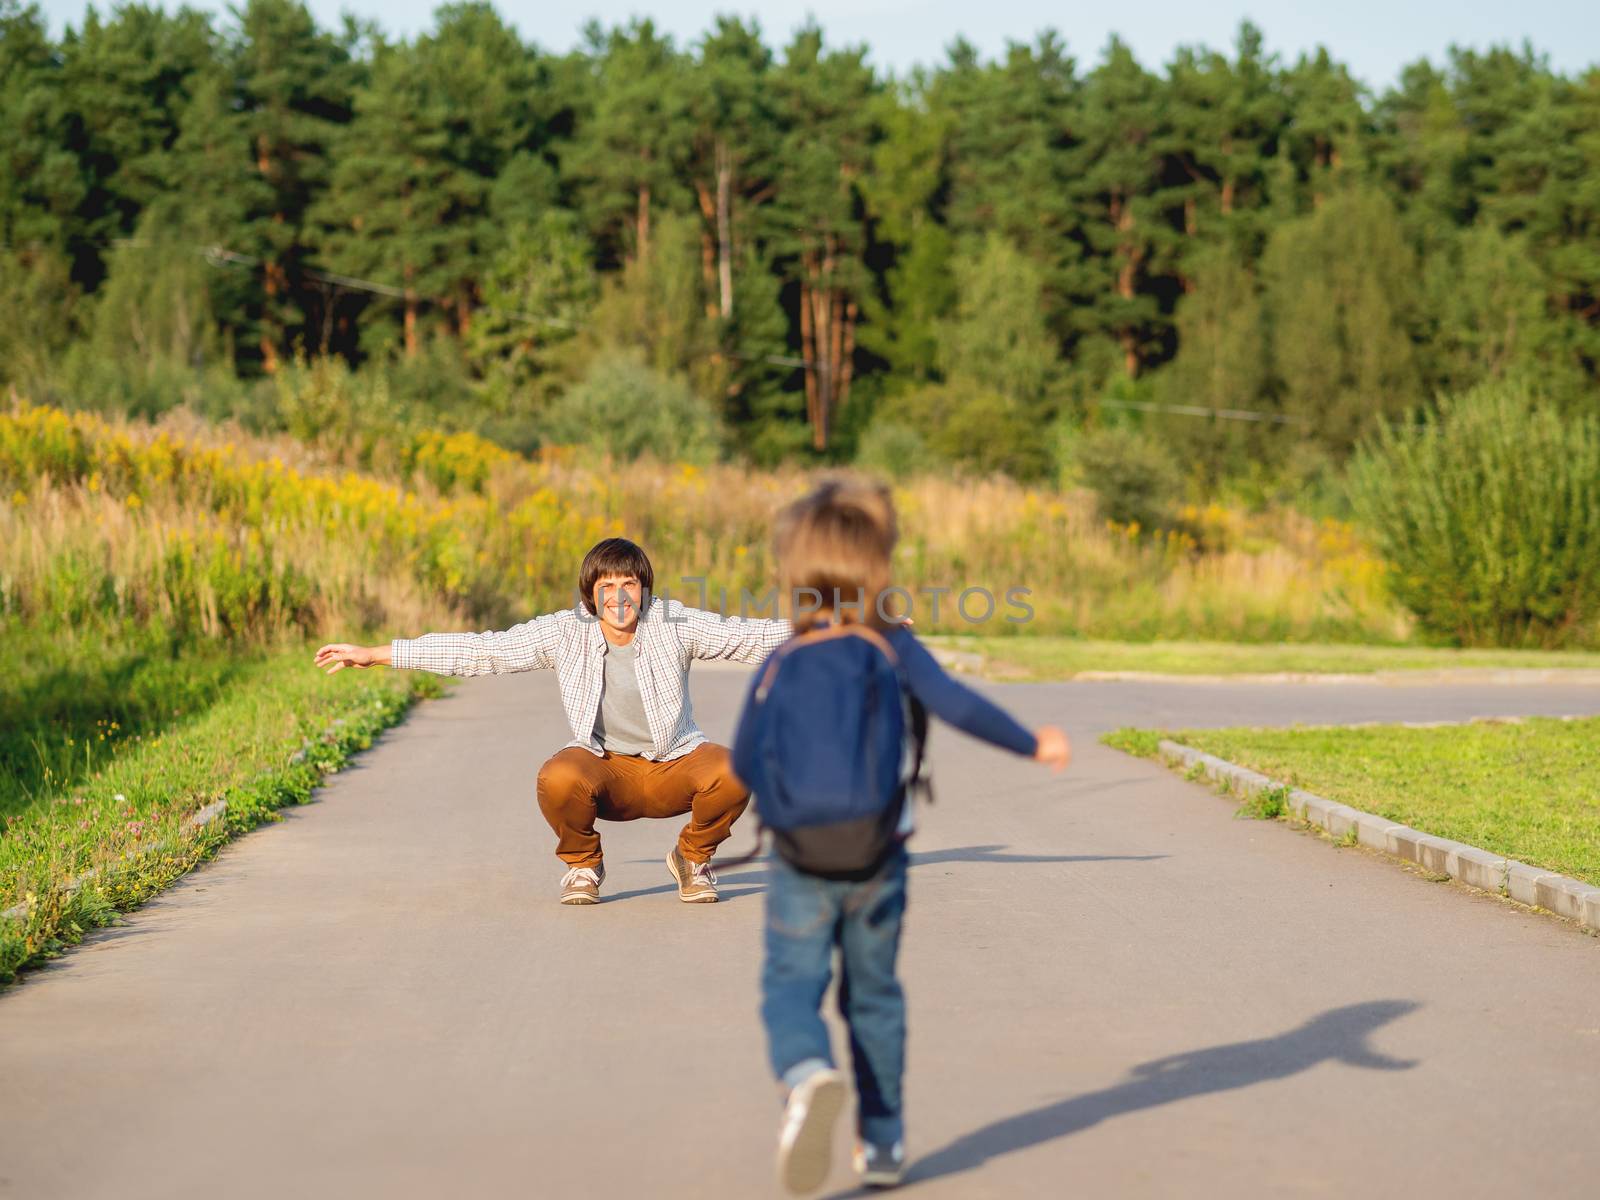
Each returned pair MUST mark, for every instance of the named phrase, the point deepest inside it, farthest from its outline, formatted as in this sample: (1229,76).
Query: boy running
(836,543)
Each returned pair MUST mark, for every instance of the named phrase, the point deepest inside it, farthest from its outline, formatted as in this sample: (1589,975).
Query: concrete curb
(1560,894)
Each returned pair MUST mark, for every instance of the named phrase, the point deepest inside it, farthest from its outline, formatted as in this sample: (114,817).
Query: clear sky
(1375,38)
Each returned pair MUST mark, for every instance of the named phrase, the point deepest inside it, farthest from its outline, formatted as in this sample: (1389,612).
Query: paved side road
(379,996)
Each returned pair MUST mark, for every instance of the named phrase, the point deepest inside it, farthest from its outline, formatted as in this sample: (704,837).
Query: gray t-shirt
(620,724)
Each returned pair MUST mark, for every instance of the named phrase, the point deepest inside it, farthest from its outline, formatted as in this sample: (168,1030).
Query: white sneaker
(697,882)
(880,1164)
(805,1143)
(581,885)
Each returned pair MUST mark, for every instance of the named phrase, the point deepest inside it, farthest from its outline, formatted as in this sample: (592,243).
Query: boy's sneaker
(880,1164)
(697,882)
(581,885)
(805,1143)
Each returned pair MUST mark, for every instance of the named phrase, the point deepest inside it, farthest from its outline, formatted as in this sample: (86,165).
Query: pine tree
(41,184)
(212,191)
(828,137)
(1420,150)
(1326,126)
(396,201)
(1545,173)
(900,317)
(768,421)
(735,133)
(486,91)
(295,91)
(1227,117)
(1494,92)
(1011,130)
(629,149)
(1120,187)
(125,82)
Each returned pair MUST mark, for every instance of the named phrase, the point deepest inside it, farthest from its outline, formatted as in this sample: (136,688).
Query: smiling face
(615,580)
(617,599)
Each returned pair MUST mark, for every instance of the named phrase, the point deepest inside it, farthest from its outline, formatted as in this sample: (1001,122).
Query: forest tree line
(790,252)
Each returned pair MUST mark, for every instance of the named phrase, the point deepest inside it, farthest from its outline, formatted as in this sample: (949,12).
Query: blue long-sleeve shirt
(955,703)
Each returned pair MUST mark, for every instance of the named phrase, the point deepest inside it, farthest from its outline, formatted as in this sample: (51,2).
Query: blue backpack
(823,744)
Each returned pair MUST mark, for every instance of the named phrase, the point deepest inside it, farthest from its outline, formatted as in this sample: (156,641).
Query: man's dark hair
(614,556)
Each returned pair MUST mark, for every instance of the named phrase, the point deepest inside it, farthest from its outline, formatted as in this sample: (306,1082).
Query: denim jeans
(807,917)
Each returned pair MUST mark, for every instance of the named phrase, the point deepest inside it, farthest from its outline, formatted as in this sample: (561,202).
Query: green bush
(968,424)
(627,409)
(129,385)
(43,314)
(1133,475)
(893,448)
(321,400)
(1488,508)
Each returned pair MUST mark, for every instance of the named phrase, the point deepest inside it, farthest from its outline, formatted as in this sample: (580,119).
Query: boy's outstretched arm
(524,647)
(956,704)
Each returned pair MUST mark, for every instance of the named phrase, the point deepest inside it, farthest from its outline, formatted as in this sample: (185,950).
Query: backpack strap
(743,860)
(919,782)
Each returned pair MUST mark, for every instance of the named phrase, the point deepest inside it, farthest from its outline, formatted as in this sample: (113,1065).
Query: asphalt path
(1115,989)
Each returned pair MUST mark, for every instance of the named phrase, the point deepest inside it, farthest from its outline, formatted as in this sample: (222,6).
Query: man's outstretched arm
(525,647)
(734,639)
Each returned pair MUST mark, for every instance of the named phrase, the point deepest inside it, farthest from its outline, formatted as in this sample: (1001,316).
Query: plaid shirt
(668,636)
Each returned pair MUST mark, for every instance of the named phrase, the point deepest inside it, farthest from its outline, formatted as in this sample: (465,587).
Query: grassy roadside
(1047,658)
(108,748)
(1529,790)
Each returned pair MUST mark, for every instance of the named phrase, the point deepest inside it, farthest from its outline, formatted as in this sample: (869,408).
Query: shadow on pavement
(1339,1035)
(724,893)
(994,854)
(980,854)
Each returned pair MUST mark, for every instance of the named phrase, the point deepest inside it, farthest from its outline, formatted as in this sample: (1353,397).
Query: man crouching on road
(635,750)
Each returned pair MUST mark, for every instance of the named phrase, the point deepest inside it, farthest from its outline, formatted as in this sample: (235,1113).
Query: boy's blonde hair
(837,541)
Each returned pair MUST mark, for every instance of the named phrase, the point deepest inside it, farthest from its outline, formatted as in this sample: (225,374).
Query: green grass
(73,702)
(108,746)
(1529,790)
(1048,658)
(1142,743)
(1268,804)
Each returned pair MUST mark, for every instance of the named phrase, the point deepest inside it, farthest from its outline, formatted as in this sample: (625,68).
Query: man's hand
(1052,747)
(341,654)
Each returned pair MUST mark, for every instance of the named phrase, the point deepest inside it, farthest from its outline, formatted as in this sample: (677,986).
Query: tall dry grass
(210,531)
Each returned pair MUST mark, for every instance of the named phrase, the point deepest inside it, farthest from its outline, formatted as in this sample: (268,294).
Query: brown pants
(575,788)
